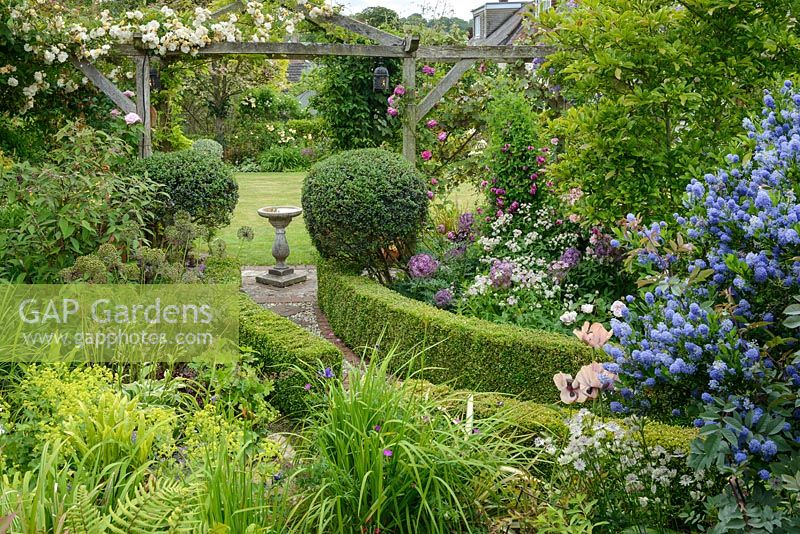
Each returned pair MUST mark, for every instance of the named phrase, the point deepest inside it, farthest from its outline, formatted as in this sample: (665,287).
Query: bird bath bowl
(281,275)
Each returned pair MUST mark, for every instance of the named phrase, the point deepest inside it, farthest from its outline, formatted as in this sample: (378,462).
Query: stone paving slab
(297,303)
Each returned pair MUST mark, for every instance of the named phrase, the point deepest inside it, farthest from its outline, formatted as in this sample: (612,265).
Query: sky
(461,8)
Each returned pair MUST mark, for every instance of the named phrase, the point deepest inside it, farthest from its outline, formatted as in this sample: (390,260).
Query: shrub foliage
(364,207)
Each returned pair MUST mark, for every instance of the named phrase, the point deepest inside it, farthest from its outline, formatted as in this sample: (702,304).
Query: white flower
(13,82)
(512,300)
(569,317)
(587,308)
(618,308)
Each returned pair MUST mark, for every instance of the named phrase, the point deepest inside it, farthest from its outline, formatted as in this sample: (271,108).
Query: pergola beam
(105,85)
(439,54)
(459,69)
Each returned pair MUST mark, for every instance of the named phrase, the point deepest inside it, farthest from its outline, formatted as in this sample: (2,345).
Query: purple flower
(399,90)
(307,387)
(377,428)
(422,266)
(428,70)
(433,123)
(426,155)
(501,273)
(326,373)
(570,257)
(392,111)
(442,136)
(387,453)
(443,298)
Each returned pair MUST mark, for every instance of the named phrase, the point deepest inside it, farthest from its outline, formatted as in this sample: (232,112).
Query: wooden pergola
(388,46)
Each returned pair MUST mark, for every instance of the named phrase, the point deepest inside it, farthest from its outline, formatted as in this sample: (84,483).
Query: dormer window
(477,29)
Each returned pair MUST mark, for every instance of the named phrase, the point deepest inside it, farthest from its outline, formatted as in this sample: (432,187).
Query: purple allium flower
(443,298)
(501,273)
(422,266)
(571,257)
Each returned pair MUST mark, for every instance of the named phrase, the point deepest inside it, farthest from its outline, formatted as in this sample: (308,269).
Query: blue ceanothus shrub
(707,342)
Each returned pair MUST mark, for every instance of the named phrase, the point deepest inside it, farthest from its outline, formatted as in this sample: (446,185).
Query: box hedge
(541,419)
(282,347)
(472,353)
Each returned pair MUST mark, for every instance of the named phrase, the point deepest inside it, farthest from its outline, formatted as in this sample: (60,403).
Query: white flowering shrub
(635,485)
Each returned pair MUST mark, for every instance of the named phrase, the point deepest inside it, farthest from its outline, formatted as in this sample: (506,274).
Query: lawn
(263,189)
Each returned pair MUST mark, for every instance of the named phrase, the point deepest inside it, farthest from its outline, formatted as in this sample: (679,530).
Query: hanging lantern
(380,79)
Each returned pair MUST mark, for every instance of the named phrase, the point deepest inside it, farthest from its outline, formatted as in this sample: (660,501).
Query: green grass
(257,190)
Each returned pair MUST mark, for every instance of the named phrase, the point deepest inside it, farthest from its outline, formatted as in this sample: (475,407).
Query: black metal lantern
(380,79)
(155,78)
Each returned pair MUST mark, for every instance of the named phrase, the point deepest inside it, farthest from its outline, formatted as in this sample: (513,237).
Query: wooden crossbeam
(105,85)
(439,54)
(457,71)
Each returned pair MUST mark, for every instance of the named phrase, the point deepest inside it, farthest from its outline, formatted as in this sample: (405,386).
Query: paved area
(297,303)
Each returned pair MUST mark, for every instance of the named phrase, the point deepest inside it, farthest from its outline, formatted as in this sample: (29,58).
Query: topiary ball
(197,182)
(365,208)
(208,146)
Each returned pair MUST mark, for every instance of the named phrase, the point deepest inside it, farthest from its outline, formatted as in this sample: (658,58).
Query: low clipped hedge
(222,270)
(541,419)
(281,347)
(470,353)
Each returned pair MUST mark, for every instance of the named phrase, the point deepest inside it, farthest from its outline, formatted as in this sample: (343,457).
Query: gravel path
(297,303)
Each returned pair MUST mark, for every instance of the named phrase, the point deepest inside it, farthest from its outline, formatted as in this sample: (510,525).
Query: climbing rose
(442,136)
(427,69)
(132,118)
(392,111)
(399,90)
(426,155)
(433,123)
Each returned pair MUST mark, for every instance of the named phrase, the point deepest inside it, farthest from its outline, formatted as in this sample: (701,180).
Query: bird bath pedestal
(281,275)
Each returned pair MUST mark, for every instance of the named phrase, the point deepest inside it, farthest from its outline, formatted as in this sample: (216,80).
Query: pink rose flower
(426,155)
(132,118)
(442,136)
(432,123)
(427,69)
(115,113)
(434,181)
(392,112)
(129,93)
(554,141)
(430,195)
(399,90)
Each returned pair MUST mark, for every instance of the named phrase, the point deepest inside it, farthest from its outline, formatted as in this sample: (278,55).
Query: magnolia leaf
(792,322)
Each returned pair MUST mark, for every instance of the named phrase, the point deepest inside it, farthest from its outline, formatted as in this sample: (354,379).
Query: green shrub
(282,159)
(283,347)
(363,205)
(268,104)
(222,270)
(472,353)
(66,208)
(208,146)
(199,184)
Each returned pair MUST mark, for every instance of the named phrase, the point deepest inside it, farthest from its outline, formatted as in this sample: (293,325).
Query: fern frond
(83,517)
(158,506)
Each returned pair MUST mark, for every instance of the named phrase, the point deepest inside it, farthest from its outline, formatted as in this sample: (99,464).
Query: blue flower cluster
(698,345)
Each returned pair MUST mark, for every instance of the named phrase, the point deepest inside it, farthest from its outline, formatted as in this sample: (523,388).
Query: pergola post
(143,99)
(410,116)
